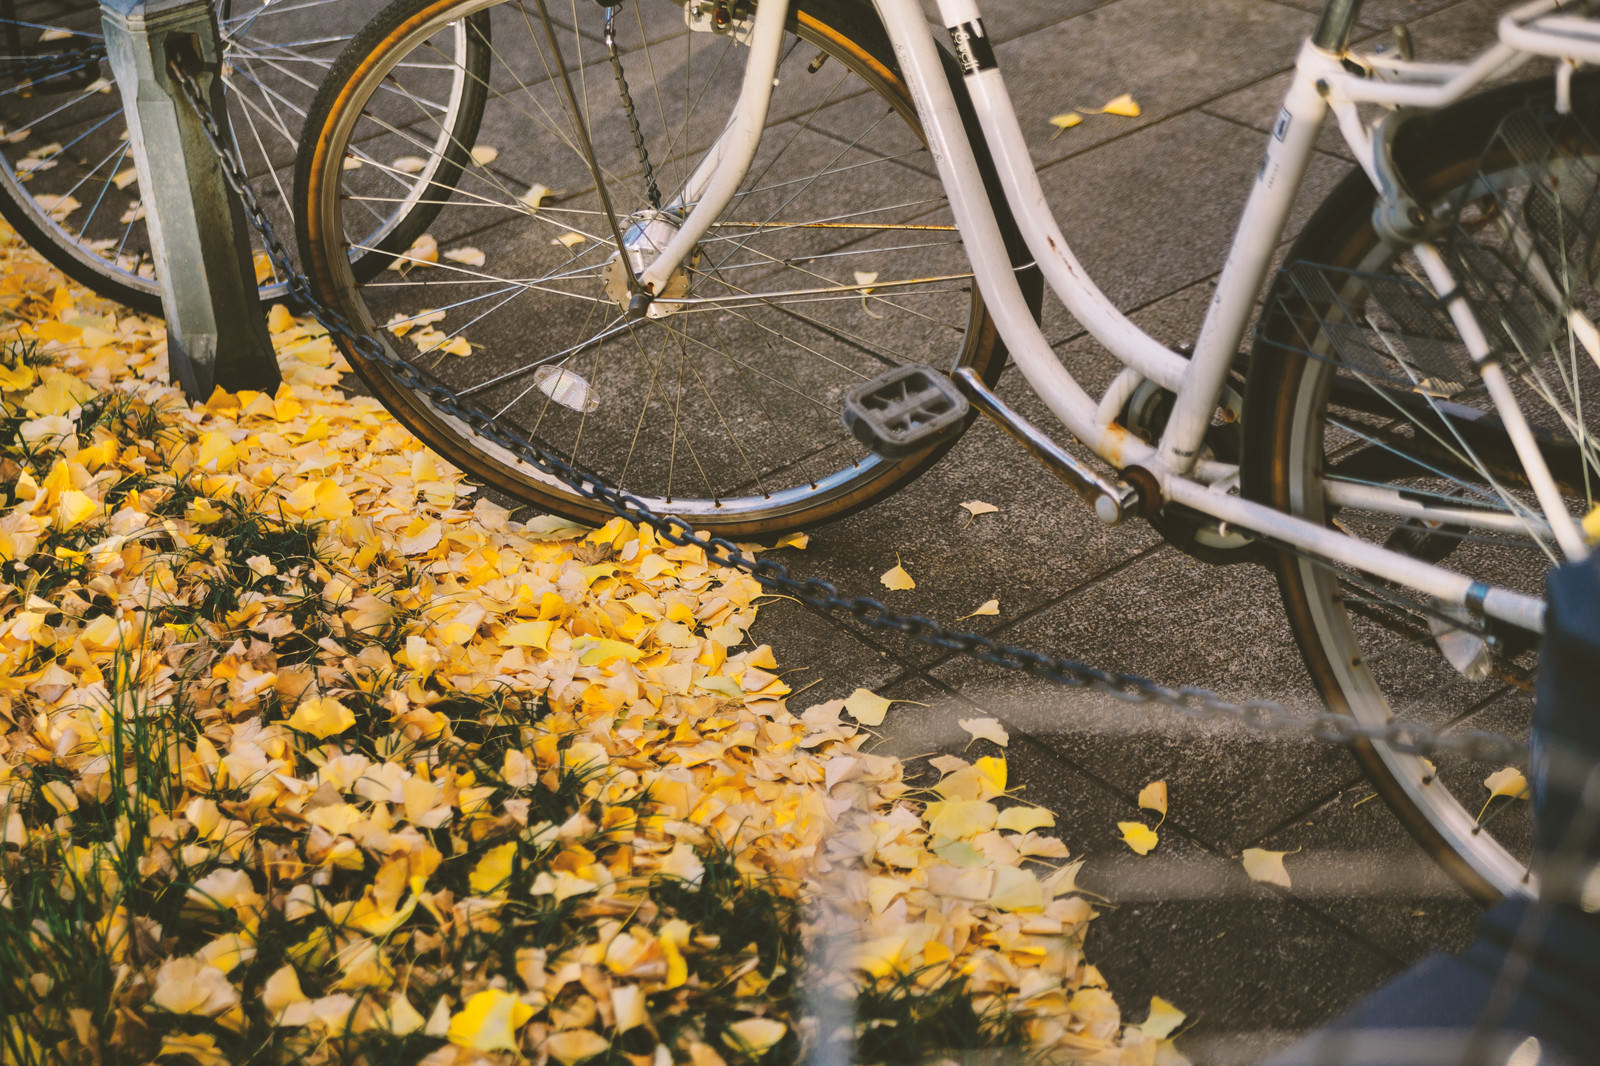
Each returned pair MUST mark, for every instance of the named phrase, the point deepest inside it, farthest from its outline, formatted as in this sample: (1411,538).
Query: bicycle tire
(274,56)
(1358,382)
(827,473)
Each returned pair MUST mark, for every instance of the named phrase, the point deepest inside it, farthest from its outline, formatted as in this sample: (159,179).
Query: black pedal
(905,410)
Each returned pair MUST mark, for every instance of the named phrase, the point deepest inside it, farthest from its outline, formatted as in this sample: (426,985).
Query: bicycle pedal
(905,410)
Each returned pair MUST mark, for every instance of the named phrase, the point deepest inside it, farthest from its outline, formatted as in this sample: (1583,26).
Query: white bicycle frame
(1322,83)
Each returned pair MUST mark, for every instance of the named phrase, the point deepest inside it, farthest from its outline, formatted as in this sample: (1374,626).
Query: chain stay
(1264,716)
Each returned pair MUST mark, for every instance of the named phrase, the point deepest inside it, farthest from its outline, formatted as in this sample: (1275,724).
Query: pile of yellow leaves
(306,757)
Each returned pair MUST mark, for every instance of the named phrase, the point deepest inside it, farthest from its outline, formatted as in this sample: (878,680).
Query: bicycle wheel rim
(821,493)
(1479,200)
(84,210)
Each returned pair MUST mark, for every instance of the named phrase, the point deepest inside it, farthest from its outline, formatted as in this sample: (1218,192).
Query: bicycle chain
(651,189)
(48,65)
(1198,703)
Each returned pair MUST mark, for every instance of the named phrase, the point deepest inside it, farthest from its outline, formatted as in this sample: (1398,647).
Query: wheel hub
(644,235)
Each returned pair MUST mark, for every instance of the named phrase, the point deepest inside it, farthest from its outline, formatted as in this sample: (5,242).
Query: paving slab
(1169,56)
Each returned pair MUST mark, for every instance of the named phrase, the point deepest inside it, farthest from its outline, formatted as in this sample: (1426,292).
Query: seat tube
(1333,29)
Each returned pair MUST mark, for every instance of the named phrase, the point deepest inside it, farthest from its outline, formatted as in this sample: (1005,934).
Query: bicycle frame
(1325,81)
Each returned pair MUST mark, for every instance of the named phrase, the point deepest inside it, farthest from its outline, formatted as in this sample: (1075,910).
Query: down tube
(924,73)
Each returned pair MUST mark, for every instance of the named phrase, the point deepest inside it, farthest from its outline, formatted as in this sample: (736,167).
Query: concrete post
(216,332)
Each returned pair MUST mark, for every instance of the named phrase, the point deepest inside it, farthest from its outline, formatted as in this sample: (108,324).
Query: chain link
(1263,716)
(44,66)
(651,189)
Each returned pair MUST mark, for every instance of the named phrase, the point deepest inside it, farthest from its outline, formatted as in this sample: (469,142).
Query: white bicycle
(690,230)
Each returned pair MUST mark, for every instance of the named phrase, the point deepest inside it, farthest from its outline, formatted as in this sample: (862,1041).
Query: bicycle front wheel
(837,259)
(67,180)
(1365,412)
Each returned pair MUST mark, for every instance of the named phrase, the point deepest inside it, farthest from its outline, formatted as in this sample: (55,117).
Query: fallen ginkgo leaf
(1025,819)
(1063,122)
(1507,781)
(1266,866)
(987,607)
(1125,106)
(1164,1018)
(896,578)
(986,729)
(866,706)
(1153,797)
(1138,836)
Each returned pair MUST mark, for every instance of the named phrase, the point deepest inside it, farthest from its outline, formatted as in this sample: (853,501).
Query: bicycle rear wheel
(837,259)
(67,181)
(1364,411)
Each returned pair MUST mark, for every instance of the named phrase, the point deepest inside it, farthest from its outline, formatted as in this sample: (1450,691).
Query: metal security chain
(46,65)
(1197,703)
(627,106)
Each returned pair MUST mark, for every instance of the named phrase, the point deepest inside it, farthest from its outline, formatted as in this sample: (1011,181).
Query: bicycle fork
(652,251)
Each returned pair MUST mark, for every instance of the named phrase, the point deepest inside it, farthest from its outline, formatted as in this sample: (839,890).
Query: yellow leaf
(262,264)
(534,196)
(186,985)
(16,378)
(599,652)
(866,706)
(529,635)
(1016,890)
(59,393)
(125,177)
(282,991)
(753,1036)
(1591,525)
(74,508)
(987,607)
(322,717)
(410,164)
(494,869)
(576,1045)
(961,819)
(896,578)
(1153,797)
(466,256)
(1138,836)
(1507,781)
(489,1021)
(673,936)
(992,771)
(1025,819)
(483,155)
(424,251)
(793,540)
(978,507)
(1163,1019)
(987,729)
(1064,122)
(879,956)
(569,239)
(1266,866)
(1124,105)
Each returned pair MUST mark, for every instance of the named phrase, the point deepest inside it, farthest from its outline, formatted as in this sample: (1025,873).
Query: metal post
(216,332)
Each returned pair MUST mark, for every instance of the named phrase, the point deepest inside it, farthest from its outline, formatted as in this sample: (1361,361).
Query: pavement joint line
(910,671)
(1316,805)
(1060,599)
